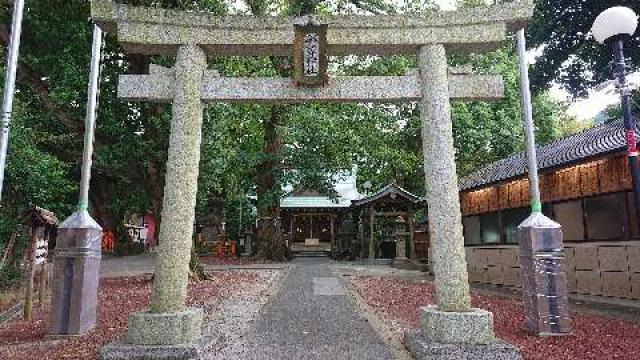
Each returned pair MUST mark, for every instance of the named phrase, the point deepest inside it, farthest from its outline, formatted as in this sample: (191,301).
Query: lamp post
(612,27)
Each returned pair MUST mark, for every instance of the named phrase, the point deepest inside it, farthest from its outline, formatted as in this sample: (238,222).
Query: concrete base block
(146,328)
(472,327)
(122,351)
(423,349)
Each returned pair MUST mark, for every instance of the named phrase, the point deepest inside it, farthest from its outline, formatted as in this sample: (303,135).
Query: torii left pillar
(169,323)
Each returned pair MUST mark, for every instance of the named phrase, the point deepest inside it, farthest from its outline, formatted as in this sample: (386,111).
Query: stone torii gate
(193,37)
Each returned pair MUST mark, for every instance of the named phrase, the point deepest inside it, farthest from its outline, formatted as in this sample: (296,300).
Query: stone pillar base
(123,351)
(147,328)
(472,327)
(458,335)
(423,349)
(176,335)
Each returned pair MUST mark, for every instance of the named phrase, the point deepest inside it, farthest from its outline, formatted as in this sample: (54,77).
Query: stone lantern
(401,235)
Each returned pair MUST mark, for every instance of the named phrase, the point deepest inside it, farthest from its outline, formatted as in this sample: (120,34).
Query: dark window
(569,215)
(547,210)
(604,215)
(490,225)
(472,230)
(510,220)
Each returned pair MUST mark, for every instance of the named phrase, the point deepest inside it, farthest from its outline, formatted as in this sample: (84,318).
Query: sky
(585,109)
(445,4)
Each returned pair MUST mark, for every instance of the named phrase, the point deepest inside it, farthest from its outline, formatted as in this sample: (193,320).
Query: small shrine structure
(384,216)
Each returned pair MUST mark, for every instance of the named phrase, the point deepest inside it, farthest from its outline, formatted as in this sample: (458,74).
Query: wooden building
(350,225)
(384,215)
(585,186)
(311,220)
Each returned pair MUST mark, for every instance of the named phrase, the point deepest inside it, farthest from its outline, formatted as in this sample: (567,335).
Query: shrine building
(310,219)
(585,184)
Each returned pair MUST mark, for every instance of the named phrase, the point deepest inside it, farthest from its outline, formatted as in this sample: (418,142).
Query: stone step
(311,254)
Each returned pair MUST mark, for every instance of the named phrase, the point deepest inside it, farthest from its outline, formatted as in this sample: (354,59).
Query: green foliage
(488,131)
(615,111)
(33,176)
(10,277)
(319,140)
(570,55)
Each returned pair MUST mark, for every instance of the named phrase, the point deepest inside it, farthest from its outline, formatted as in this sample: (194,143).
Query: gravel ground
(117,298)
(312,317)
(121,266)
(235,318)
(397,302)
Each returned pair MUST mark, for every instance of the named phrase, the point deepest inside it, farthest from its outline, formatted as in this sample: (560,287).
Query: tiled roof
(344,184)
(388,190)
(598,140)
(40,216)
(313,202)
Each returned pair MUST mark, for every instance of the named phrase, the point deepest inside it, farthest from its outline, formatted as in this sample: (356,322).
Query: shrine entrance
(312,229)
(196,37)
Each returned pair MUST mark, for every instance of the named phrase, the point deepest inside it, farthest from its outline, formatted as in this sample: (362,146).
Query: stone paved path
(312,317)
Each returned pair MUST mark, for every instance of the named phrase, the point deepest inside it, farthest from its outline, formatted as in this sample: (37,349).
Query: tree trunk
(269,239)
(8,251)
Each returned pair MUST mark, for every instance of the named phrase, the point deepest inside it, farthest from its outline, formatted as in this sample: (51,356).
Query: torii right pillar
(452,329)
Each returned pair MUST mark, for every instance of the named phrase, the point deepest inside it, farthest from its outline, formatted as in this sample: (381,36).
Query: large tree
(246,149)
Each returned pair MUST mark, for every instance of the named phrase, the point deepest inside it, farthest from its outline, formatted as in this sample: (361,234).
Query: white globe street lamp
(614,22)
(613,26)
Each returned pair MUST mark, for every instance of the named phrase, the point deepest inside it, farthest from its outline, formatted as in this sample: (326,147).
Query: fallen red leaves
(399,300)
(117,298)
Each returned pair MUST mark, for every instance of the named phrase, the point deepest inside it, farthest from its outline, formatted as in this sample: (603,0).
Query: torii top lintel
(160,31)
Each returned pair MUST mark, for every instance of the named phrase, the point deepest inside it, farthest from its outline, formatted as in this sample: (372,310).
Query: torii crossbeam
(160,31)
(158,86)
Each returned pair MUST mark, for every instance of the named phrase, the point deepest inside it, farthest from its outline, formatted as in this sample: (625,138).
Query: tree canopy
(569,55)
(246,149)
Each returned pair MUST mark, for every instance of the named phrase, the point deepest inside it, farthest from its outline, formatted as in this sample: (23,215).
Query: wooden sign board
(310,53)
(41,251)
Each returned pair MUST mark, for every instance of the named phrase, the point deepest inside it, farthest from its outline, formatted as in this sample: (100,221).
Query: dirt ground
(117,298)
(397,302)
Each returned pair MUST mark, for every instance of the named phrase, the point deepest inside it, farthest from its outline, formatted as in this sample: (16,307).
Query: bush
(10,277)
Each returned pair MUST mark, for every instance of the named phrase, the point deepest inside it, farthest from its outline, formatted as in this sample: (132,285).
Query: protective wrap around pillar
(76,272)
(544,279)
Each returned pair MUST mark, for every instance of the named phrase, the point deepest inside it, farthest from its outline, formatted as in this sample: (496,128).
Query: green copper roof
(313,202)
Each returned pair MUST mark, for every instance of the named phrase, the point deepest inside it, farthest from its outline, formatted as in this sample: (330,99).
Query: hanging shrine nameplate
(310,52)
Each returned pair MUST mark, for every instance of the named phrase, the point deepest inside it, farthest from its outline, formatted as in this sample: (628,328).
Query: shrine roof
(40,216)
(313,202)
(344,185)
(391,189)
(597,141)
